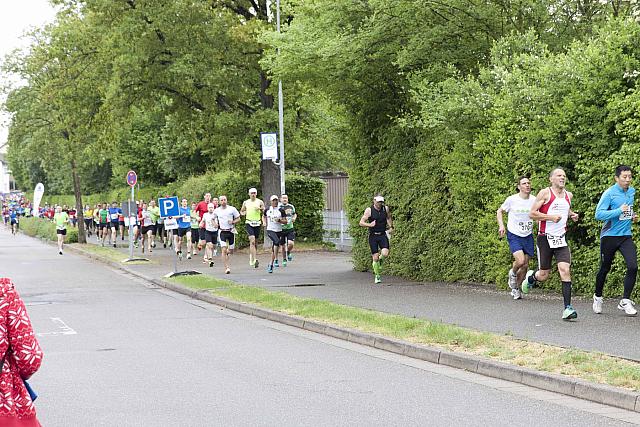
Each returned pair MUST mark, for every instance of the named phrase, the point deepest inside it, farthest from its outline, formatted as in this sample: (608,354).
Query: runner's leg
(628,250)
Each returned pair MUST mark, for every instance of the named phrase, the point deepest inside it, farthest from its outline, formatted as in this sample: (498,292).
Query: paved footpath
(330,276)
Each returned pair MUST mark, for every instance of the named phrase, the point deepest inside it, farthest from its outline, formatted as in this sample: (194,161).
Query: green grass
(109,253)
(590,366)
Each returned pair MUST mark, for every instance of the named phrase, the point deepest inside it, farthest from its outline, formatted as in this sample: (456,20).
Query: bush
(43,228)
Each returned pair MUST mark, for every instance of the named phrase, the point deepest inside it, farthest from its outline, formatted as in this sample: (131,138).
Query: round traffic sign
(132,178)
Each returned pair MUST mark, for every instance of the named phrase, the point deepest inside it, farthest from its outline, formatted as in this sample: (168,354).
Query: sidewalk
(329,276)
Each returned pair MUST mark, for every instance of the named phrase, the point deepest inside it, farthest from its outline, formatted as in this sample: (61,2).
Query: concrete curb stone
(599,393)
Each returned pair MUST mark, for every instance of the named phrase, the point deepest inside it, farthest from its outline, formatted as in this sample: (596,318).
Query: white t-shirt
(225,216)
(209,221)
(146,218)
(518,208)
(273,215)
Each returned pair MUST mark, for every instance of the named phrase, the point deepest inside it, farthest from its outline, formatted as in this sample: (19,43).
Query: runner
(104,223)
(210,233)
(194,216)
(61,219)
(202,208)
(377,219)
(121,226)
(184,230)
(253,208)
(96,222)
(146,227)
(227,217)
(616,209)
(289,233)
(114,215)
(14,220)
(154,210)
(217,245)
(519,232)
(274,218)
(87,213)
(551,209)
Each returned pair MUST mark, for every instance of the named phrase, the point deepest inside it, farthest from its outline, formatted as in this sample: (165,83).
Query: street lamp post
(280,111)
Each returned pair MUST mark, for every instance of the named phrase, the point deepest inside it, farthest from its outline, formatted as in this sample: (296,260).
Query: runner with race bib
(519,232)
(552,208)
(616,210)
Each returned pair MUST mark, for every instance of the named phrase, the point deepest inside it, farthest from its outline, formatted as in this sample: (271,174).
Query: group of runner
(204,226)
(551,208)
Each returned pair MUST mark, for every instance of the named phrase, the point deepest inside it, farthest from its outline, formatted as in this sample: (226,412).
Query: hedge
(446,169)
(305,193)
(46,229)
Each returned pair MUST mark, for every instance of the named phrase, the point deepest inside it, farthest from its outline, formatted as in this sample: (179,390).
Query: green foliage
(43,228)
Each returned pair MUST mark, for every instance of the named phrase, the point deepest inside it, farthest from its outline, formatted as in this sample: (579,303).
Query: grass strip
(590,366)
(109,253)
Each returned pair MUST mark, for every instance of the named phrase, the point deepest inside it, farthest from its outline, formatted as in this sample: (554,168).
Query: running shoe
(211,263)
(188,255)
(569,313)
(526,286)
(180,255)
(164,244)
(377,279)
(512,280)
(153,245)
(114,245)
(270,269)
(284,262)
(290,257)
(275,263)
(60,252)
(516,294)
(256,264)
(597,304)
(227,271)
(628,306)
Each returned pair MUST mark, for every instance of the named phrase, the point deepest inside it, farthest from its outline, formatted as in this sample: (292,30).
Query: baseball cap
(274,197)
(253,190)
(379,199)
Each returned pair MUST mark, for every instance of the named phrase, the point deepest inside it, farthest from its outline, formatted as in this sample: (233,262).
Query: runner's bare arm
(501,230)
(243,208)
(574,216)
(541,199)
(389,219)
(363,221)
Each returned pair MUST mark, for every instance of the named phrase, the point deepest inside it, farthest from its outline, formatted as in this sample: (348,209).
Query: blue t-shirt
(184,220)
(114,214)
(13,215)
(616,223)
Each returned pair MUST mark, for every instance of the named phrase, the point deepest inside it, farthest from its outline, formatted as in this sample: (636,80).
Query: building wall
(335,192)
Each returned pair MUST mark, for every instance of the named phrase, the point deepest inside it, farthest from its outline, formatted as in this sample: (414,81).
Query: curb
(599,393)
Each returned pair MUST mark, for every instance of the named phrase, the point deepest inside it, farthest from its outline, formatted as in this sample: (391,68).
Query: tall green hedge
(306,193)
(446,170)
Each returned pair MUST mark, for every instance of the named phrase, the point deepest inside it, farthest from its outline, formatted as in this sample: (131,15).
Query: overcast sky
(17,17)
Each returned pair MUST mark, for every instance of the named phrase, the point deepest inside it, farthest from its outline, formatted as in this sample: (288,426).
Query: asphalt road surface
(120,352)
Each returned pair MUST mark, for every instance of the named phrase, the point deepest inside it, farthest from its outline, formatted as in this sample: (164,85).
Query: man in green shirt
(287,229)
(253,208)
(103,226)
(154,210)
(60,219)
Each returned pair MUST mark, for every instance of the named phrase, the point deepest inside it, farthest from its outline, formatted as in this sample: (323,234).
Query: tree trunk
(82,237)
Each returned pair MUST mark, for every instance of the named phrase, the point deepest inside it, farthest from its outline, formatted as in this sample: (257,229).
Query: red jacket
(24,359)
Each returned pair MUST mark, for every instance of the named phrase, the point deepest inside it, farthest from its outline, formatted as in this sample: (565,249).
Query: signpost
(169,209)
(130,213)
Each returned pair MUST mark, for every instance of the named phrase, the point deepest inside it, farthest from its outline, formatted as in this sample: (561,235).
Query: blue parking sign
(169,207)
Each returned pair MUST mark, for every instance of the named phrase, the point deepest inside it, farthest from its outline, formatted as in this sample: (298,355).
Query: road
(121,352)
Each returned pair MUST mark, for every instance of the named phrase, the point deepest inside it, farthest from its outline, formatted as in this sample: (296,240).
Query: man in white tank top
(551,209)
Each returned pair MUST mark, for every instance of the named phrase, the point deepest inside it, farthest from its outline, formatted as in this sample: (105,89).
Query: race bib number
(525,226)
(114,217)
(254,223)
(556,241)
(170,224)
(626,216)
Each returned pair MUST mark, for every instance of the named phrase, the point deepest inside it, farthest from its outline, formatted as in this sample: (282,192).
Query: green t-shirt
(155,213)
(104,214)
(195,219)
(61,220)
(289,211)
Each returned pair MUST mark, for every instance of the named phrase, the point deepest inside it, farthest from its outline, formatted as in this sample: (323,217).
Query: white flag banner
(37,197)
(269,142)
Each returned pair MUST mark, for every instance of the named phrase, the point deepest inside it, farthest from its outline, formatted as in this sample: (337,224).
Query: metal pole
(280,111)
(131,227)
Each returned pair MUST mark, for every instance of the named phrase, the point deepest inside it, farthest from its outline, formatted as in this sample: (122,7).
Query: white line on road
(64,328)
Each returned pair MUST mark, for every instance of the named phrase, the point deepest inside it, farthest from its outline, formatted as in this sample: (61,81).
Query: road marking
(64,329)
